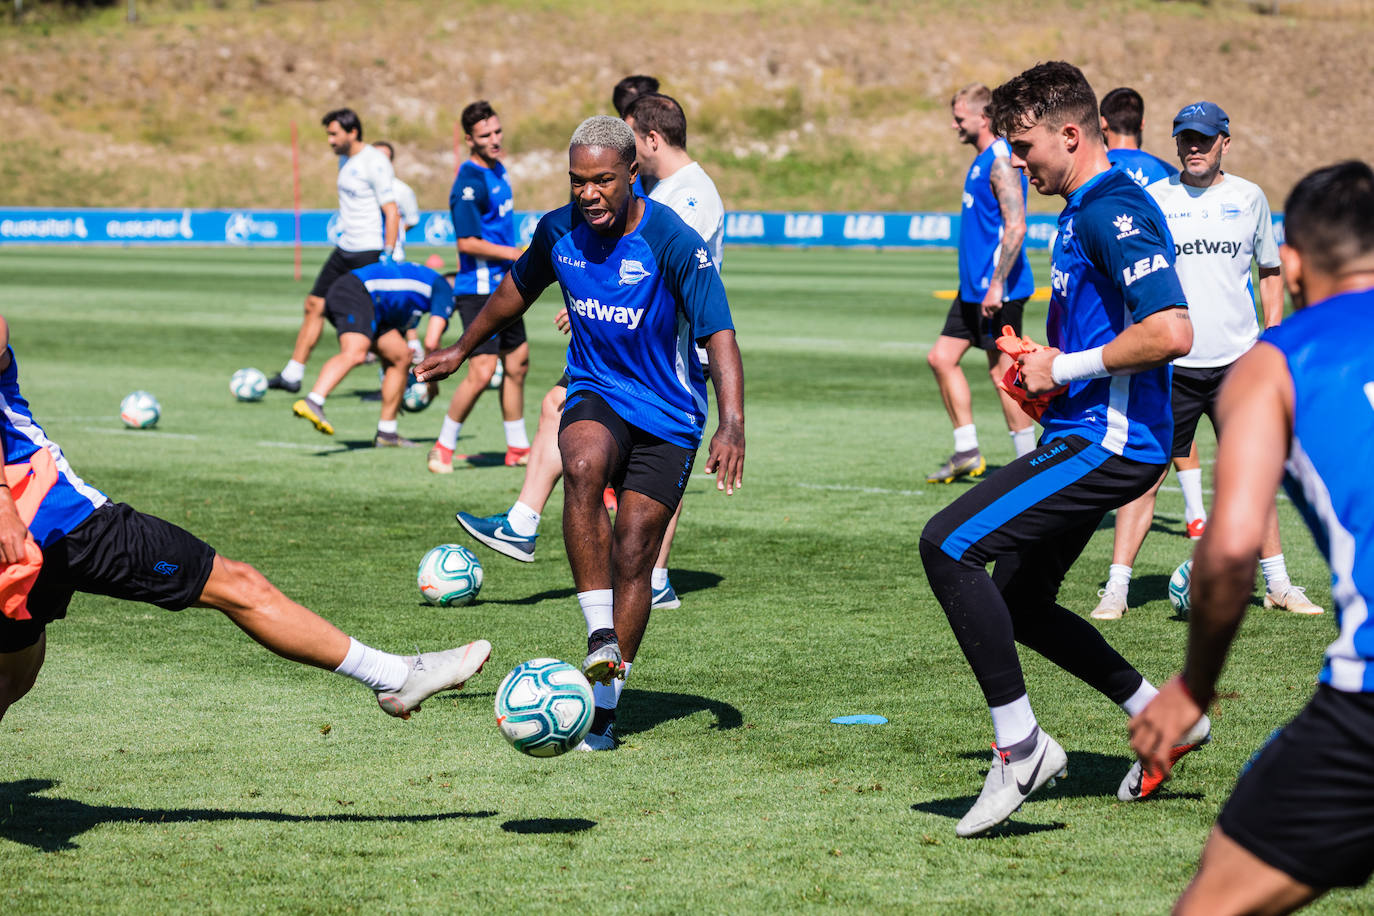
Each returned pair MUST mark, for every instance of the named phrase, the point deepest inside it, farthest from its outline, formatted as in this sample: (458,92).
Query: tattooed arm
(1006,185)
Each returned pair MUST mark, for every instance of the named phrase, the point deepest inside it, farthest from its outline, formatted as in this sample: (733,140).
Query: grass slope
(164,763)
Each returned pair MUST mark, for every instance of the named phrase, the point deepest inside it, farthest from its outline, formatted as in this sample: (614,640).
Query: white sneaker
(1292,599)
(434,672)
(595,742)
(1008,784)
(1138,784)
(1113,603)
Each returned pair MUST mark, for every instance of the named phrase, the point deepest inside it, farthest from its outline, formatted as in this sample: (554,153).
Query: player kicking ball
(59,535)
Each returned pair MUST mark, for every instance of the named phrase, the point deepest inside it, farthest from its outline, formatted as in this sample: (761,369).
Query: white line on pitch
(145,433)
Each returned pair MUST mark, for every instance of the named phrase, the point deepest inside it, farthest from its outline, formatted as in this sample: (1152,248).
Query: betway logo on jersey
(506,207)
(1059,280)
(616,314)
(1229,247)
(1143,268)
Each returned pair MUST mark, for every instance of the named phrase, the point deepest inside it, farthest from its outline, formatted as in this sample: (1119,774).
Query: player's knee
(15,682)
(582,472)
(516,369)
(239,586)
(939,361)
(480,373)
(314,307)
(551,408)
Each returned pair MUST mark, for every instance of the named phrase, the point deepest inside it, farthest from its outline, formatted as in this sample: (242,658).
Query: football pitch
(165,763)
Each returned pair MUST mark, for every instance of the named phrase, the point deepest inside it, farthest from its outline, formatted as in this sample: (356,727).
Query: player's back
(1143,168)
(402,291)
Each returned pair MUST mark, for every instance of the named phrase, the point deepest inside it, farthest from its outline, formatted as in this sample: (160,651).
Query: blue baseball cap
(1203,117)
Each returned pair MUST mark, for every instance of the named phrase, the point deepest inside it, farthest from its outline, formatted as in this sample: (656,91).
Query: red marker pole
(296,195)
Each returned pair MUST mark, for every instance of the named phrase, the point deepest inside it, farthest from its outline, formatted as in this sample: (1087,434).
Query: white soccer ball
(1179,586)
(416,397)
(450,575)
(248,385)
(140,410)
(544,707)
(497,377)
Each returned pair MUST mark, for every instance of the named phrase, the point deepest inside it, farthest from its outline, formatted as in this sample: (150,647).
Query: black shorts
(1305,802)
(647,464)
(339,263)
(1194,393)
(119,552)
(349,307)
(503,341)
(966,322)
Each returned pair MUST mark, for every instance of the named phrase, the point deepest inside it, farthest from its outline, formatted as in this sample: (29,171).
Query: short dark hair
(475,114)
(1124,111)
(1329,216)
(1053,93)
(627,89)
(348,120)
(660,113)
(390,150)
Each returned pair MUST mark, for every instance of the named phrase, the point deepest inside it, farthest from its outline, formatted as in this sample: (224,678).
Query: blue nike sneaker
(496,533)
(665,599)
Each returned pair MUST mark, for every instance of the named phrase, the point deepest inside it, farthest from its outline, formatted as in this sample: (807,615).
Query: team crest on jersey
(692,202)
(1230,211)
(631,272)
(1125,226)
(974,172)
(703,258)
(1138,176)
(469,194)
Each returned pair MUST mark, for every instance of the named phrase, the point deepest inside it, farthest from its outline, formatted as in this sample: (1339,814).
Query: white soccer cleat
(434,672)
(1139,785)
(595,742)
(1009,783)
(1292,599)
(1113,603)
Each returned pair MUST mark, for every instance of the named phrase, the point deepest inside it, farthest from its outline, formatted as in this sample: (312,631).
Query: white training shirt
(366,182)
(691,194)
(1218,231)
(409,207)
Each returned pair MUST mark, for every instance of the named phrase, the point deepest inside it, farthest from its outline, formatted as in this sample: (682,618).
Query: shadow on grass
(1091,775)
(684,581)
(549,825)
(642,710)
(52,824)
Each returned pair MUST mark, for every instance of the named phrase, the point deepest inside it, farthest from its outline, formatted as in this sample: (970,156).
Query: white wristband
(1074,367)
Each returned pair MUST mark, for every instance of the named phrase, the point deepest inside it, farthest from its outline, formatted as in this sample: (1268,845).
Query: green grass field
(165,763)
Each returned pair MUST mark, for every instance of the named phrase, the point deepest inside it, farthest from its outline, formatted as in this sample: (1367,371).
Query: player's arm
(1006,186)
(726,458)
(13,531)
(1271,295)
(393,222)
(502,307)
(477,247)
(1254,414)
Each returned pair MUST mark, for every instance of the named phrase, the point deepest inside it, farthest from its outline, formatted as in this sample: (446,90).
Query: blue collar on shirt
(1082,189)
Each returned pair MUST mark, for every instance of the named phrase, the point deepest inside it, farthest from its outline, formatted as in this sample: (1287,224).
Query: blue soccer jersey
(980,233)
(482,207)
(1142,167)
(71,500)
(636,305)
(1113,264)
(1327,349)
(402,292)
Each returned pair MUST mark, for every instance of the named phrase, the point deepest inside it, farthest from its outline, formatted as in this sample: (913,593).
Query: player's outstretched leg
(19,670)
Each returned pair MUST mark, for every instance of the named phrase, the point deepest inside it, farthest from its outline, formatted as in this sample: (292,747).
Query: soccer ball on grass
(248,385)
(140,410)
(450,575)
(1179,587)
(544,707)
(416,397)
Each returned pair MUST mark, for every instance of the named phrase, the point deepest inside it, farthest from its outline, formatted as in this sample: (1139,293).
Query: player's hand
(438,365)
(726,458)
(384,258)
(1162,724)
(13,531)
(1036,372)
(992,301)
(561,321)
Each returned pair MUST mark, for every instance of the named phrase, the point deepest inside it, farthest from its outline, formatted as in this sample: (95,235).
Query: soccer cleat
(1113,603)
(1293,599)
(609,499)
(604,741)
(391,440)
(1196,527)
(517,457)
(1138,784)
(440,460)
(308,411)
(960,464)
(1010,782)
(282,384)
(603,663)
(495,531)
(434,672)
(665,599)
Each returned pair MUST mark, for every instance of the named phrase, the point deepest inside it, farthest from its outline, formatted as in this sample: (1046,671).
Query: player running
(368,229)
(483,214)
(59,535)
(640,286)
(1117,317)
(678,181)
(1299,406)
(994,283)
(372,308)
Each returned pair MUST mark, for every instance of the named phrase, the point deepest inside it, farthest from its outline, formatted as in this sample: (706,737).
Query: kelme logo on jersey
(631,272)
(1125,226)
(703,258)
(616,314)
(1143,268)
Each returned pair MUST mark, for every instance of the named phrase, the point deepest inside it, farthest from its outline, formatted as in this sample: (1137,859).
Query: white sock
(1191,482)
(448,433)
(1012,722)
(373,668)
(515,433)
(316,398)
(965,438)
(1023,440)
(607,696)
(598,607)
(1143,694)
(386,426)
(1118,574)
(1275,573)
(293,372)
(659,579)
(522,519)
